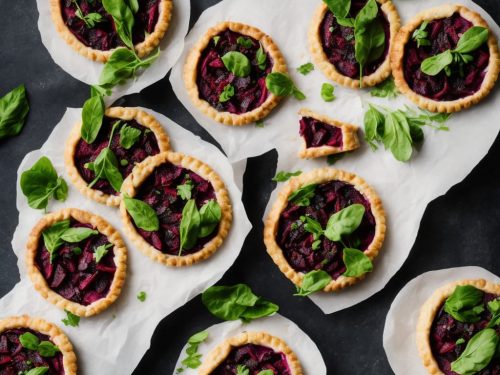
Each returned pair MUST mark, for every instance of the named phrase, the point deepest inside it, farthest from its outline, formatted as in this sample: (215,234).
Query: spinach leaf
(397,137)
(386,89)
(281,85)
(420,35)
(327,91)
(71,320)
(14,108)
(129,136)
(305,68)
(302,197)
(41,183)
(101,251)
(123,18)
(477,354)
(374,123)
(244,42)
(77,234)
(190,226)
(369,36)
(227,93)
(52,237)
(465,304)
(144,215)
(356,262)
(92,116)
(472,39)
(435,64)
(339,8)
(283,176)
(261,58)
(210,216)
(344,222)
(313,282)
(237,63)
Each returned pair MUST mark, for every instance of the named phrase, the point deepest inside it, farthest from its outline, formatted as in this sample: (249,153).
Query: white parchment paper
(405,188)
(88,71)
(401,322)
(276,325)
(124,330)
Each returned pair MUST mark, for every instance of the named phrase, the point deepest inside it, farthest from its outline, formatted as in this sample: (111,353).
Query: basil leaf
(227,93)
(52,237)
(261,58)
(280,84)
(302,197)
(29,341)
(101,251)
(210,216)
(37,371)
(420,35)
(313,282)
(105,167)
(435,64)
(339,8)
(198,338)
(242,370)
(312,226)
(494,308)
(71,320)
(374,123)
(190,226)
(47,349)
(123,18)
(344,222)
(74,235)
(144,215)
(472,39)
(129,136)
(305,68)
(369,42)
(14,108)
(184,190)
(244,42)
(327,91)
(465,304)
(356,262)
(397,137)
(134,5)
(92,116)
(283,176)
(477,354)
(237,63)
(266,372)
(346,22)
(386,89)
(367,14)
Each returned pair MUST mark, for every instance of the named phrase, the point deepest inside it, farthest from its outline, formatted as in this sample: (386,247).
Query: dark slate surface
(458,229)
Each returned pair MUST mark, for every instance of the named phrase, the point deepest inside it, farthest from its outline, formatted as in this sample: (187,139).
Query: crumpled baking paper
(125,329)
(444,159)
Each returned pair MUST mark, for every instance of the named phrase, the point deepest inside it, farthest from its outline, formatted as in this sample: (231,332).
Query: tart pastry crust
(321,59)
(350,139)
(191,74)
(103,227)
(218,354)
(429,310)
(143,49)
(319,176)
(123,113)
(56,335)
(397,60)
(141,172)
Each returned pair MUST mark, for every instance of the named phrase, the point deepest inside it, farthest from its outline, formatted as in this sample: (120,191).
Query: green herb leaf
(339,8)
(420,35)
(477,354)
(190,226)
(465,304)
(216,39)
(327,91)
(134,5)
(305,69)
(313,282)
(227,93)
(92,116)
(460,341)
(244,42)
(494,308)
(237,63)
(47,349)
(266,372)
(129,136)
(141,296)
(192,361)
(281,85)
(144,215)
(472,39)
(259,123)
(346,22)
(105,167)
(77,250)
(101,251)
(29,341)
(74,235)
(312,226)
(261,57)
(302,197)
(332,159)
(37,371)
(71,320)
(356,262)
(52,237)
(14,108)
(283,176)
(184,190)
(386,89)
(344,222)
(435,64)
(124,19)
(198,338)
(397,137)
(242,370)
(210,216)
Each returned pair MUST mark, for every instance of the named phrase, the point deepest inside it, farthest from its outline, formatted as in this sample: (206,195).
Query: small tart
(291,248)
(432,316)
(99,42)
(339,63)
(152,141)
(155,182)
(322,135)
(75,282)
(238,350)
(206,76)
(441,93)
(14,358)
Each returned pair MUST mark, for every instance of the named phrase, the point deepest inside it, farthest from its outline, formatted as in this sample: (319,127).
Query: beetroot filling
(103,35)
(446,331)
(444,34)
(317,133)
(145,146)
(159,190)
(256,358)
(78,278)
(296,243)
(250,92)
(338,42)
(15,359)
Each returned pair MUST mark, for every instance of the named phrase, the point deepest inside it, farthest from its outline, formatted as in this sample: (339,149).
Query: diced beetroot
(4,359)
(59,276)
(90,297)
(86,281)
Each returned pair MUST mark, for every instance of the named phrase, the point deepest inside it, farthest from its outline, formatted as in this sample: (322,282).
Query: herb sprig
(14,108)
(193,359)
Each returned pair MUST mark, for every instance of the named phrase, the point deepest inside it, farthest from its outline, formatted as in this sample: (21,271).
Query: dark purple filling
(444,34)
(256,358)
(338,42)
(250,92)
(446,331)
(78,278)
(15,359)
(103,35)
(296,243)
(160,192)
(146,145)
(317,133)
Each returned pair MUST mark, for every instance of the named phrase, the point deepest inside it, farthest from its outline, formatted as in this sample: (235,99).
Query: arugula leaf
(420,35)
(386,89)
(302,197)
(71,320)
(242,370)
(189,226)
(313,282)
(305,69)
(52,237)
(210,216)
(227,93)
(261,57)
(465,304)
(237,63)
(327,91)
(184,190)
(141,296)
(129,136)
(280,84)
(244,42)
(344,222)
(144,215)
(37,371)
(101,251)
(92,116)
(123,18)
(357,263)
(14,108)
(478,353)
(283,176)
(41,183)
(339,8)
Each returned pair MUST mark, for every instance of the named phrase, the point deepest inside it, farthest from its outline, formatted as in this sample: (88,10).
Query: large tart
(74,279)
(16,359)
(257,351)
(290,245)
(99,41)
(322,136)
(151,141)
(438,331)
(443,93)
(155,182)
(332,45)
(206,76)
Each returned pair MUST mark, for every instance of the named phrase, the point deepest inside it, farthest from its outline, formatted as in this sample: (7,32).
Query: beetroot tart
(468,78)
(316,200)
(332,45)
(77,261)
(176,209)
(236,97)
(28,343)
(149,139)
(322,136)
(252,351)
(90,30)
(458,329)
